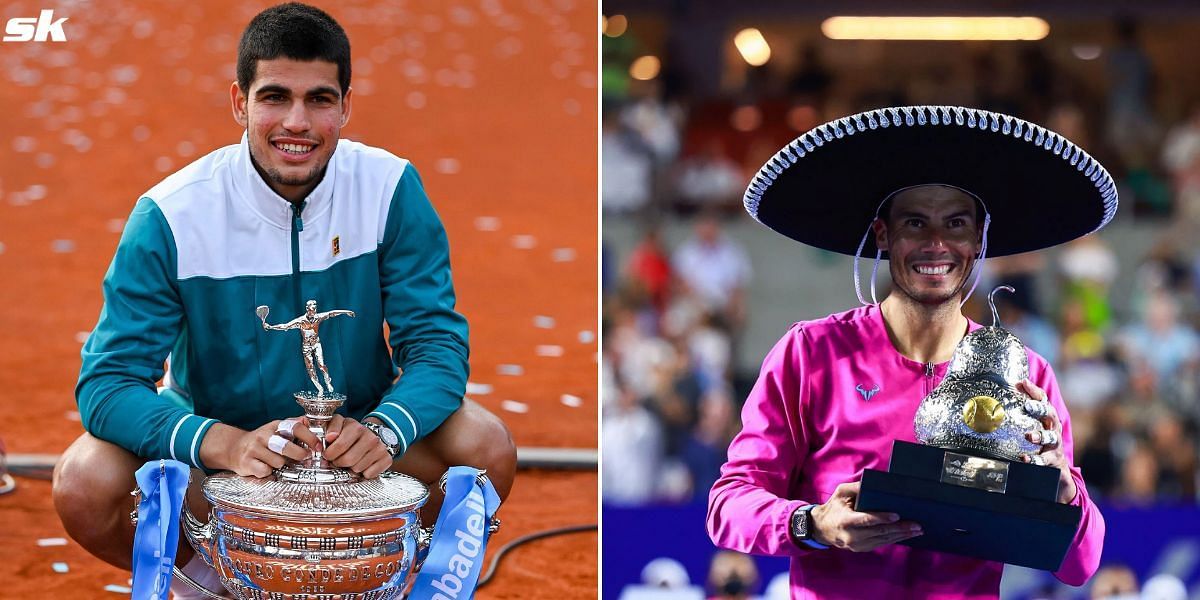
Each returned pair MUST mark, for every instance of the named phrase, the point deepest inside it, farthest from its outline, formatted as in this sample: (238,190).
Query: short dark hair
(296,31)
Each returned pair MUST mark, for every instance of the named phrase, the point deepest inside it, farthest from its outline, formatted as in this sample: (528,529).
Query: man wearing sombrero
(934,190)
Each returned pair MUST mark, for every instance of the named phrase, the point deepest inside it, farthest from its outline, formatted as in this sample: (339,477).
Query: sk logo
(867,394)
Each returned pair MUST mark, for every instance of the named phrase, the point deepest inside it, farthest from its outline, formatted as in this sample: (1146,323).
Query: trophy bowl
(276,539)
(313,531)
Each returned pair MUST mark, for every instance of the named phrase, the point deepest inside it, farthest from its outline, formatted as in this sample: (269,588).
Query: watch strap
(378,429)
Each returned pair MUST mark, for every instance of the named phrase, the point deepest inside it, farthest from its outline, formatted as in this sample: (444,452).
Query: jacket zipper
(297,227)
(928,378)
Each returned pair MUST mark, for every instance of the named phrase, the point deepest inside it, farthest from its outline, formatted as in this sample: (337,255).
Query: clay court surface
(493,100)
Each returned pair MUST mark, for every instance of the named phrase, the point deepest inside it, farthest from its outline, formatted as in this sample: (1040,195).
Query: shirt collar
(269,205)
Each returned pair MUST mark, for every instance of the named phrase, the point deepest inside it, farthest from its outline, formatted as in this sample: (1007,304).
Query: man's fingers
(301,433)
(864,519)
(378,468)
(1032,390)
(369,463)
(903,529)
(254,468)
(352,456)
(335,424)
(1047,438)
(849,490)
(338,443)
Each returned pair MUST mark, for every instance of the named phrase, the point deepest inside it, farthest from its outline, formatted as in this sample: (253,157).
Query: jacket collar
(272,207)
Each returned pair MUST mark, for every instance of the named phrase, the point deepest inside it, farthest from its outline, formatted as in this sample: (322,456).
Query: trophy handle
(199,535)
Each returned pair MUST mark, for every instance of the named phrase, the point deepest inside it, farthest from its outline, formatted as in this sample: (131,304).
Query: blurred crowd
(674,316)
(734,576)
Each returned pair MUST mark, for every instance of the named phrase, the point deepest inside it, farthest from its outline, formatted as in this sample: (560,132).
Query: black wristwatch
(801,530)
(390,440)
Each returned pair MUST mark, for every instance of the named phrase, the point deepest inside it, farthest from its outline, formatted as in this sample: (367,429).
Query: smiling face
(932,236)
(293,114)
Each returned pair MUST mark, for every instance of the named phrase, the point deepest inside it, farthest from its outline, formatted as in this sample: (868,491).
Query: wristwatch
(389,438)
(801,530)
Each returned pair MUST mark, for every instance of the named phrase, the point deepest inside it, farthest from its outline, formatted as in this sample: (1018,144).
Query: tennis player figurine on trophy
(310,344)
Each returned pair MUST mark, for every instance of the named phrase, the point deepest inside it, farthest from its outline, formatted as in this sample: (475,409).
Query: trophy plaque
(312,530)
(966,483)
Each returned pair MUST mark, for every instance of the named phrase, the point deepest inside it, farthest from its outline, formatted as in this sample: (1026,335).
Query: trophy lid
(392,493)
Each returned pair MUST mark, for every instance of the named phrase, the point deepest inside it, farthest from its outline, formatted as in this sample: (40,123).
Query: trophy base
(1019,525)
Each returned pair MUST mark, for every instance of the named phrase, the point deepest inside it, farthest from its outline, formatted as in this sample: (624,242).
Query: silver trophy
(966,483)
(312,530)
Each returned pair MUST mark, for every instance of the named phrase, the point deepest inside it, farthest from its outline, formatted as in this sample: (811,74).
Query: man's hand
(354,447)
(837,524)
(1050,438)
(250,455)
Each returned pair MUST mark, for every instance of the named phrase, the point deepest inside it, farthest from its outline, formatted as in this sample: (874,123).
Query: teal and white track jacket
(211,242)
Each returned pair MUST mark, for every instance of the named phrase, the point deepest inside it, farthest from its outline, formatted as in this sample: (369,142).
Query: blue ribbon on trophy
(162,484)
(451,570)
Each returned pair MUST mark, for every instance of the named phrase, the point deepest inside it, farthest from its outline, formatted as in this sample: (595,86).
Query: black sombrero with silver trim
(1039,188)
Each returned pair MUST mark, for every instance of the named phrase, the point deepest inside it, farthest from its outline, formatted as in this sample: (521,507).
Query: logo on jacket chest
(337,245)
(867,394)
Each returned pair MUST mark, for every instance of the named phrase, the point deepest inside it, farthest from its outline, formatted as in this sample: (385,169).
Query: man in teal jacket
(290,214)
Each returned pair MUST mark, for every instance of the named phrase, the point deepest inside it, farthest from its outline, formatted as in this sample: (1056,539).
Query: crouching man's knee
(91,490)
(475,437)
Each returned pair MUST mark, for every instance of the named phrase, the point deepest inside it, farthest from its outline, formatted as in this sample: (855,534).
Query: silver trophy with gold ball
(974,482)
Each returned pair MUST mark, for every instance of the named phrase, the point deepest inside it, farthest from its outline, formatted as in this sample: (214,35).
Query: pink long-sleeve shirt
(808,427)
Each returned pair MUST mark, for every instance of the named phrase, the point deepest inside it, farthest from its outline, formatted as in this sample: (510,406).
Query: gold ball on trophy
(983,414)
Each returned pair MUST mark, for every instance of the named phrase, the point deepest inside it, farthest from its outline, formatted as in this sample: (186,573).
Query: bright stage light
(752,46)
(935,28)
(645,68)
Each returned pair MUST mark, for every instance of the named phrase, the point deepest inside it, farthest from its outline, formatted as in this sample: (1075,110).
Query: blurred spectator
(779,588)
(731,576)
(632,442)
(626,167)
(649,267)
(705,450)
(1098,437)
(663,579)
(1177,458)
(709,180)
(1160,346)
(715,270)
(1114,582)
(1139,477)
(656,123)
(1089,267)
(666,573)
(1164,587)
(1181,159)
(1131,127)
